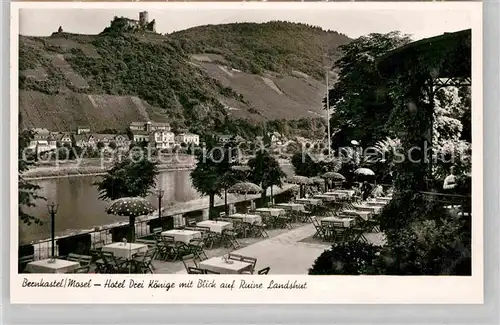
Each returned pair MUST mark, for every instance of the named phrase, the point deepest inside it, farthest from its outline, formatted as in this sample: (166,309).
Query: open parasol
(333,176)
(316,180)
(299,180)
(245,188)
(364,172)
(131,207)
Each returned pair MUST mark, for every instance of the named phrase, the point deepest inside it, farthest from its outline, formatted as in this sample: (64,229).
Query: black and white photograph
(248,141)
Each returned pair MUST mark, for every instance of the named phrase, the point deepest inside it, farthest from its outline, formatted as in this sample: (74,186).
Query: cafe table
(373,208)
(247,218)
(337,194)
(182,235)
(324,197)
(52,266)
(292,206)
(275,212)
(365,215)
(376,203)
(348,222)
(215,226)
(220,265)
(348,192)
(125,250)
(309,201)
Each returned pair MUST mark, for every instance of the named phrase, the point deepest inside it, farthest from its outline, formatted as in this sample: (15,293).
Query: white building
(187,138)
(42,141)
(161,139)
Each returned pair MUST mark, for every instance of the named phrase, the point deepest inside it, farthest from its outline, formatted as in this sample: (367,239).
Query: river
(81,208)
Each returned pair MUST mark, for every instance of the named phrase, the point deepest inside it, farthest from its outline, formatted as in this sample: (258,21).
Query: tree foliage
(266,171)
(361,97)
(27,191)
(308,165)
(133,176)
(212,174)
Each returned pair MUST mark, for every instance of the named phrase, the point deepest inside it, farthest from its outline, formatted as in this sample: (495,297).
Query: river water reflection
(81,208)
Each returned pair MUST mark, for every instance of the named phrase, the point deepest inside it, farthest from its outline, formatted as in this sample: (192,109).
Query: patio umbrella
(301,181)
(316,180)
(332,176)
(245,188)
(241,168)
(131,207)
(364,172)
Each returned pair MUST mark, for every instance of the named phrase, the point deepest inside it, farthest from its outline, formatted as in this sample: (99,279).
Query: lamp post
(159,194)
(52,207)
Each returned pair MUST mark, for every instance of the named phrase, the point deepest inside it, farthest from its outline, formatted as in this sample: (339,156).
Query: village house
(161,139)
(156,134)
(42,140)
(225,138)
(84,140)
(105,139)
(140,136)
(64,139)
(149,126)
(187,138)
(46,145)
(82,129)
(276,138)
(121,141)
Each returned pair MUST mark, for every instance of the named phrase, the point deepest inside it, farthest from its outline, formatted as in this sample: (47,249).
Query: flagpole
(328,114)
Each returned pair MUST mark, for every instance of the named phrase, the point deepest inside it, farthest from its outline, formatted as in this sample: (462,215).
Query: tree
(130,177)
(27,191)
(266,171)
(228,179)
(360,97)
(209,176)
(112,145)
(100,145)
(305,164)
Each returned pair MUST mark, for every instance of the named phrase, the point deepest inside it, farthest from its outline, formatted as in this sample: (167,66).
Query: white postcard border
(320,289)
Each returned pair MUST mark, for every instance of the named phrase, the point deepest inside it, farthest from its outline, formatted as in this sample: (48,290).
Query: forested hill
(208,78)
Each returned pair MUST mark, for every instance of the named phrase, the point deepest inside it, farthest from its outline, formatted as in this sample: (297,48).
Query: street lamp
(52,207)
(159,194)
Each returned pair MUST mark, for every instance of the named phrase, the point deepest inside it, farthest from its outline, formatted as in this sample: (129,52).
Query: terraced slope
(200,79)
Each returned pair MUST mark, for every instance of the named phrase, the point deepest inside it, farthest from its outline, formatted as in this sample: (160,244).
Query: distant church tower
(143,18)
(60,30)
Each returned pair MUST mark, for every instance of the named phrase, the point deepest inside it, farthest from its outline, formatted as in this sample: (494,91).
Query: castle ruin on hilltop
(123,24)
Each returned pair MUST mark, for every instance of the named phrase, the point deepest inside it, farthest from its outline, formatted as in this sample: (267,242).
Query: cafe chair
(195,270)
(210,272)
(264,271)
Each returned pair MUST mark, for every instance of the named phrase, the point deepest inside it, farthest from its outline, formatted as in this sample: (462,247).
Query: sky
(354,23)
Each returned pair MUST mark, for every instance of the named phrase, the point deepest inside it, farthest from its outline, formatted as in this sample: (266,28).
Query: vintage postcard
(246,152)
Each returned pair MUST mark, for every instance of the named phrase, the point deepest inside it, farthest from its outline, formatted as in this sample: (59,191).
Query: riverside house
(84,140)
(64,139)
(187,138)
(161,139)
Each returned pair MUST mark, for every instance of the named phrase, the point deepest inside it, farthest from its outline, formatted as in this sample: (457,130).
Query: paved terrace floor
(285,251)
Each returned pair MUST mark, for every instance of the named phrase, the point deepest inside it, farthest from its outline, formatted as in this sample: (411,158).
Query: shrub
(347,258)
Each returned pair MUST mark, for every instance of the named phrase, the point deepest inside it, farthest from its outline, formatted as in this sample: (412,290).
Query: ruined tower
(143,18)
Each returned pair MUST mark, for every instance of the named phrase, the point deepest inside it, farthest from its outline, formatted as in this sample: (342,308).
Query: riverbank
(100,232)
(96,167)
